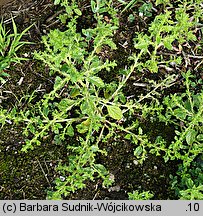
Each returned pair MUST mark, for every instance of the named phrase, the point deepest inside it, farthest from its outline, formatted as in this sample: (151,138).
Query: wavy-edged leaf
(115,112)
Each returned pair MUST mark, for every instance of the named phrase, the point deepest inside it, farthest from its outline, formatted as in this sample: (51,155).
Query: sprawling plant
(185,112)
(163,32)
(81,104)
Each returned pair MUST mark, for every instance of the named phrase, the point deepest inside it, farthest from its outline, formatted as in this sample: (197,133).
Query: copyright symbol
(9,208)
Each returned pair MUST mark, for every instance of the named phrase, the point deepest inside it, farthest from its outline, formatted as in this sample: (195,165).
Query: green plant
(99,8)
(9,45)
(128,5)
(185,111)
(81,104)
(80,110)
(194,193)
(136,195)
(164,2)
(163,31)
(84,109)
(188,185)
(146,9)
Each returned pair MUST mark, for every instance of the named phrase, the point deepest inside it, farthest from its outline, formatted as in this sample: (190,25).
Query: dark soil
(30,175)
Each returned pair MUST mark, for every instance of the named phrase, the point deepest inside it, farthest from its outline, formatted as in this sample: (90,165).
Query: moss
(22,174)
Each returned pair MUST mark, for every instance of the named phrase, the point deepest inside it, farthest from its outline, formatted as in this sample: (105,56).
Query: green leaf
(14,27)
(152,65)
(4,74)
(180,113)
(190,136)
(93,6)
(138,151)
(94,148)
(74,92)
(101,169)
(177,132)
(58,80)
(87,107)
(128,136)
(70,131)
(56,127)
(3,65)
(200,137)
(57,140)
(140,131)
(78,12)
(52,195)
(84,107)
(96,81)
(56,2)
(115,112)
(64,104)
(83,127)
(189,183)
(45,111)
(32,128)
(167,43)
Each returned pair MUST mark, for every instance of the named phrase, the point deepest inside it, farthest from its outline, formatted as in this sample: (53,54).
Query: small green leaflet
(200,137)
(96,81)
(190,136)
(75,92)
(58,80)
(5,74)
(70,131)
(78,12)
(138,151)
(56,2)
(115,112)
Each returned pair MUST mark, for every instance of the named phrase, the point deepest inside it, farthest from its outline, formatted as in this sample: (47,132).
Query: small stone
(62,178)
(135,162)
(115,188)
(128,165)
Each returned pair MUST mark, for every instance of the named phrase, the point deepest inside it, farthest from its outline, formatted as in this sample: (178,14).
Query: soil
(30,175)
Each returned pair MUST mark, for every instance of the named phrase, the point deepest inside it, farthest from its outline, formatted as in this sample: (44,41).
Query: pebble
(135,162)
(114,188)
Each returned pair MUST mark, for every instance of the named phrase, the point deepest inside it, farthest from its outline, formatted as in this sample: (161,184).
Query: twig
(194,56)
(46,166)
(44,172)
(186,55)
(198,65)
